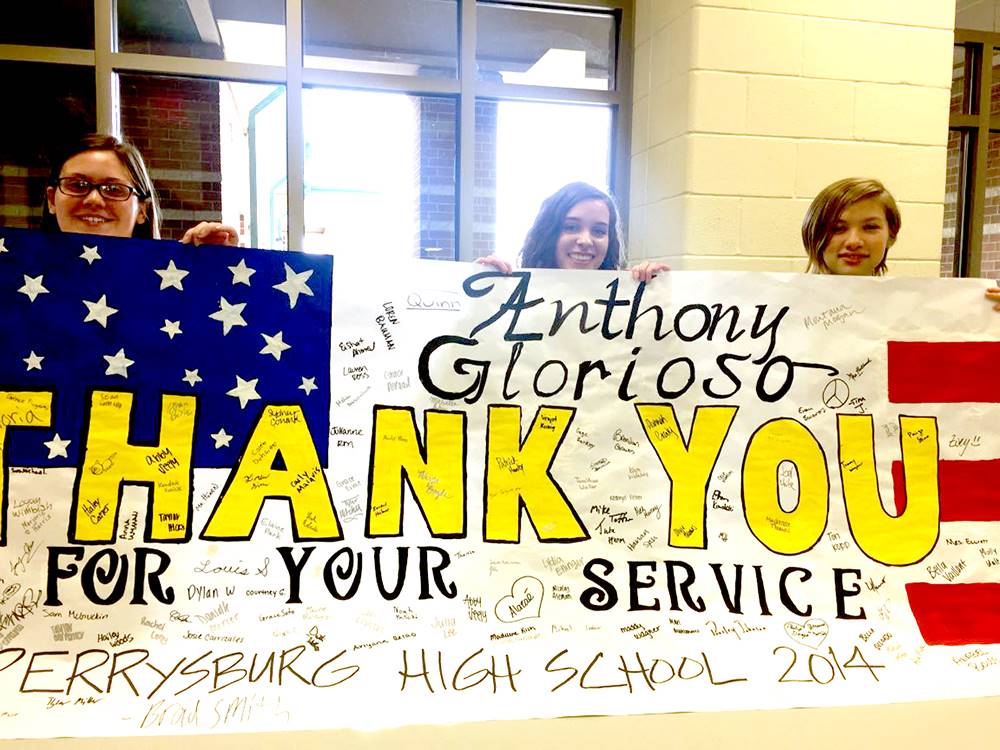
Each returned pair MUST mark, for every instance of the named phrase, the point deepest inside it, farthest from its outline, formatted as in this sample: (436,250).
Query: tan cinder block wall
(744,109)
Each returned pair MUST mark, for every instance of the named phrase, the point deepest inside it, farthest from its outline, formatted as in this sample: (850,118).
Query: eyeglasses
(78,187)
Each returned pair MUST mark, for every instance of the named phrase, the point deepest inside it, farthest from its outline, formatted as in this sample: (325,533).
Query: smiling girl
(102,187)
(850,226)
(577,228)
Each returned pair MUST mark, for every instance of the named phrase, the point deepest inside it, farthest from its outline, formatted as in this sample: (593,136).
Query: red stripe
(956,614)
(947,372)
(968,490)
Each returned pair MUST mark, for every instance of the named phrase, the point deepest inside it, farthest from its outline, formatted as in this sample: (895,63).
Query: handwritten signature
(24,608)
(20,565)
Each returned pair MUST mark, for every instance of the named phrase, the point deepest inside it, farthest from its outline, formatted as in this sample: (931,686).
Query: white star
(191,377)
(221,438)
(171,276)
(245,390)
(294,285)
(242,272)
(99,311)
(33,361)
(3,249)
(229,315)
(171,327)
(33,287)
(118,364)
(90,254)
(57,446)
(275,345)
(308,385)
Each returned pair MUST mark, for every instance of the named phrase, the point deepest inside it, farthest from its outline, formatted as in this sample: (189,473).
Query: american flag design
(377,573)
(237,328)
(960,372)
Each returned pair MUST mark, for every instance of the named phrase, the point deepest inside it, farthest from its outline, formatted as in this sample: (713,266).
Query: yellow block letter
(518,473)
(435,473)
(110,462)
(300,480)
(19,409)
(785,532)
(689,463)
(893,540)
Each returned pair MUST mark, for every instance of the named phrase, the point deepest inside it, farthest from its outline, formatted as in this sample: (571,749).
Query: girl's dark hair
(131,159)
(539,250)
(825,210)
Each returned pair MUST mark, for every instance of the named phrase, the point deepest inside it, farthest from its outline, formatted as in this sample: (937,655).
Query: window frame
(108,62)
(977,128)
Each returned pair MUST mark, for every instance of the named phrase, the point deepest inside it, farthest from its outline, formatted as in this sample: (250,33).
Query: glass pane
(215,150)
(238,30)
(975,15)
(545,47)
(994,87)
(398,37)
(382,181)
(954,179)
(525,151)
(55,105)
(56,23)
(990,265)
(961,85)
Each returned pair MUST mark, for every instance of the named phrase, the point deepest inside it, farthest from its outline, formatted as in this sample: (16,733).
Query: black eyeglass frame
(100,187)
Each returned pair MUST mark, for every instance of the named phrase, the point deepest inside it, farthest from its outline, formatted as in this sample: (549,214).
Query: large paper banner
(246,490)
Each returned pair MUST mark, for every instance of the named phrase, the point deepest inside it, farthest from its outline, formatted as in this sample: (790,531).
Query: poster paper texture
(248,491)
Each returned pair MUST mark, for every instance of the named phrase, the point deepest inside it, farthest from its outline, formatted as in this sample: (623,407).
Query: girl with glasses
(102,187)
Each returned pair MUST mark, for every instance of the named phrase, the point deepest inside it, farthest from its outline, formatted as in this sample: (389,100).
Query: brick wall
(48,105)
(953,174)
(175,124)
(741,115)
(983,15)
(953,177)
(484,199)
(438,154)
(438,126)
(990,262)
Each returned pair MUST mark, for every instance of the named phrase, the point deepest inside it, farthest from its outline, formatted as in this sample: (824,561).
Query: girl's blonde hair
(825,210)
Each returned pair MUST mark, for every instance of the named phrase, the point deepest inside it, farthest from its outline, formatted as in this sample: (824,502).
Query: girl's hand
(993,295)
(498,263)
(646,270)
(211,233)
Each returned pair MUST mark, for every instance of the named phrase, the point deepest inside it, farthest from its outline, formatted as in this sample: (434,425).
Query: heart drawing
(810,633)
(524,602)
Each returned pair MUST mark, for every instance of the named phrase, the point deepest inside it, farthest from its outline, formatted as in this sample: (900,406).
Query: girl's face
(93,213)
(859,240)
(583,240)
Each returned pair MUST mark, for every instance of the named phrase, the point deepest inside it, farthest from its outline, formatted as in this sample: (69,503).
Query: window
(68,23)
(538,147)
(971,241)
(356,35)
(214,149)
(54,103)
(305,123)
(539,46)
(382,178)
(235,30)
